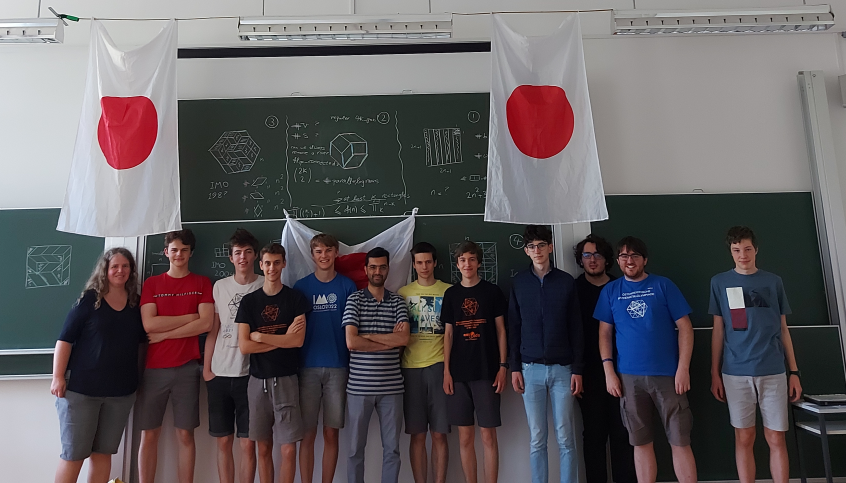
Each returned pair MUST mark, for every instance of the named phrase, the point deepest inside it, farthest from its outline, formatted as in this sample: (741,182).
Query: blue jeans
(552,381)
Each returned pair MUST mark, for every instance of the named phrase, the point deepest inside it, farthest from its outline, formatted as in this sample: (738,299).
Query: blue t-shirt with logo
(751,307)
(325,343)
(644,315)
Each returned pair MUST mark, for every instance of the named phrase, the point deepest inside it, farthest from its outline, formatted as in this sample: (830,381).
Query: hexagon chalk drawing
(235,151)
(349,150)
(48,266)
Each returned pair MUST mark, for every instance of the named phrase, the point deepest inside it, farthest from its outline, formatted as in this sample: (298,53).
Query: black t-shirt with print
(272,315)
(472,312)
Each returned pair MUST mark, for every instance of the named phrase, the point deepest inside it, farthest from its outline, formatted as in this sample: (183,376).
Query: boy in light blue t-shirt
(750,346)
(325,358)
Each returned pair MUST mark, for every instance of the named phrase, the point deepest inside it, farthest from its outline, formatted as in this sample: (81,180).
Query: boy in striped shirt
(376,326)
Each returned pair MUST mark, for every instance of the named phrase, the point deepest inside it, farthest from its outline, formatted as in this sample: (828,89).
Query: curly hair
(737,234)
(99,279)
(602,247)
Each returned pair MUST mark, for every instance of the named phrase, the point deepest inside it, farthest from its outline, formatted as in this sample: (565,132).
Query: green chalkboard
(502,243)
(44,273)
(685,235)
(248,159)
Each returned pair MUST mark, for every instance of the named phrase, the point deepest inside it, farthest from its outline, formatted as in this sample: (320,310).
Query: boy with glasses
(643,311)
(749,348)
(546,344)
(600,410)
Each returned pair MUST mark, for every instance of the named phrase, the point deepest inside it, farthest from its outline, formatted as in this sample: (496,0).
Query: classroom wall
(672,115)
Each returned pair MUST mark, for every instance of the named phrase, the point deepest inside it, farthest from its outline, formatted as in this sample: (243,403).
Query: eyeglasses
(629,256)
(539,246)
(594,255)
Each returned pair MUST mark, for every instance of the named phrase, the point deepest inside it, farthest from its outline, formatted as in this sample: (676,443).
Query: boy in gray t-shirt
(750,345)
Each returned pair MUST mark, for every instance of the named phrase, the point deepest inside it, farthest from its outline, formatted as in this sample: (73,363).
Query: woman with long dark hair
(99,345)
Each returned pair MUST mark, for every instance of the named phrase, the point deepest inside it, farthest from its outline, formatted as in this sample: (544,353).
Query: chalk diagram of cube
(48,266)
(235,151)
(488,269)
(349,150)
(443,146)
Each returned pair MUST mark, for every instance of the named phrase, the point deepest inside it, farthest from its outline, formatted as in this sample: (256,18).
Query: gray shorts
(275,409)
(91,424)
(424,401)
(640,395)
(326,386)
(180,384)
(743,393)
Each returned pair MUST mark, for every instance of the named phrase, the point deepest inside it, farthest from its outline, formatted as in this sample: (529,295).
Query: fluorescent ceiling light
(810,18)
(31,31)
(351,27)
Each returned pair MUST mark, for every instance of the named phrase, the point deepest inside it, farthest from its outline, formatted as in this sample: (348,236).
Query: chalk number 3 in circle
(271,122)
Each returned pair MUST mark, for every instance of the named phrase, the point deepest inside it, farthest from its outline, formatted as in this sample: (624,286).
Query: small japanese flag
(543,165)
(124,178)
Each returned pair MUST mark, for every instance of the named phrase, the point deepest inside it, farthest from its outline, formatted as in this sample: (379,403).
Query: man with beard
(600,410)
(376,325)
(643,311)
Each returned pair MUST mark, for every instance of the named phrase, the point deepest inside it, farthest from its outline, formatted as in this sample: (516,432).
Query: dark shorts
(91,424)
(424,401)
(477,397)
(275,409)
(179,384)
(643,393)
(228,405)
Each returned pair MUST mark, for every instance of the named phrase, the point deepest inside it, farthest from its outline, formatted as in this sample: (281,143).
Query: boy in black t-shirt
(272,330)
(474,360)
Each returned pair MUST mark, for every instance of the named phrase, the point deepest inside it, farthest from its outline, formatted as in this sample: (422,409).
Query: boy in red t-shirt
(176,307)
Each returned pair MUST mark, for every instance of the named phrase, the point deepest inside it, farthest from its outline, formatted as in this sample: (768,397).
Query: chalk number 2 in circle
(383,117)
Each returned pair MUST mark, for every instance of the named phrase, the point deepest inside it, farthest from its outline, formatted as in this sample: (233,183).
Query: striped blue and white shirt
(374,373)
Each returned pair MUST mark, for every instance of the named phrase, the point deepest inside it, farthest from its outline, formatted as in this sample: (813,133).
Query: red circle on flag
(127,130)
(540,120)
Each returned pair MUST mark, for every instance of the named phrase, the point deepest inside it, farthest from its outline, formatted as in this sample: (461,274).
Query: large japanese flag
(124,178)
(542,161)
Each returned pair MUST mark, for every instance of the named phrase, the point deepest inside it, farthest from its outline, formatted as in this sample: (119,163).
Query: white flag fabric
(397,240)
(543,166)
(124,178)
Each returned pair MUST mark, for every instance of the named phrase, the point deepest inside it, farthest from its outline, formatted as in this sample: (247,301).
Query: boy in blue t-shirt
(749,348)
(325,358)
(643,311)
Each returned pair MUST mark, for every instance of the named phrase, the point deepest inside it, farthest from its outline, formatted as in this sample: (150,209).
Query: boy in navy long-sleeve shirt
(547,346)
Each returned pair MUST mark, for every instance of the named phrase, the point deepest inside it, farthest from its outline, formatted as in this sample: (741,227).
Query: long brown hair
(99,279)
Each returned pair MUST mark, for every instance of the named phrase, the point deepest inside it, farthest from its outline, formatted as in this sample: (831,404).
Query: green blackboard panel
(44,273)
(501,242)
(248,159)
(819,355)
(26,365)
(686,239)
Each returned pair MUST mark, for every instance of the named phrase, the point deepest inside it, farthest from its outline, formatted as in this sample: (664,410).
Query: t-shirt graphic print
(227,360)
(426,341)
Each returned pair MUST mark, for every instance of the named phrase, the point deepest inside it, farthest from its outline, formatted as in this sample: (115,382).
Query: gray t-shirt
(751,307)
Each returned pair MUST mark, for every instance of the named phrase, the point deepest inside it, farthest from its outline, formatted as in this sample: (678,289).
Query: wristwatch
(504,364)
(796,373)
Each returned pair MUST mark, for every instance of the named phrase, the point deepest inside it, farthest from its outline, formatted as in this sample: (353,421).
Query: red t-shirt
(174,297)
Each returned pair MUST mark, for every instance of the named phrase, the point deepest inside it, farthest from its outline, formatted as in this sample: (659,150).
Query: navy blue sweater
(544,321)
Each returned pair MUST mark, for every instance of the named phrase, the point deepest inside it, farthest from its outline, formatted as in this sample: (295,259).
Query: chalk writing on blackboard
(235,151)
(48,266)
(516,241)
(443,146)
(349,150)
(271,122)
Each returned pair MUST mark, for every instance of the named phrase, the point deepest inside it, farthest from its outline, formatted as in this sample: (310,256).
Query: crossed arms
(257,343)
(161,327)
(377,342)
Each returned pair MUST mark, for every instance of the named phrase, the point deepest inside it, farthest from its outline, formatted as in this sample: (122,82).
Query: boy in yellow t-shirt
(424,402)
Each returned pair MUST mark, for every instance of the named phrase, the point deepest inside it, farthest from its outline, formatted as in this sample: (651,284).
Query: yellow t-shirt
(426,344)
